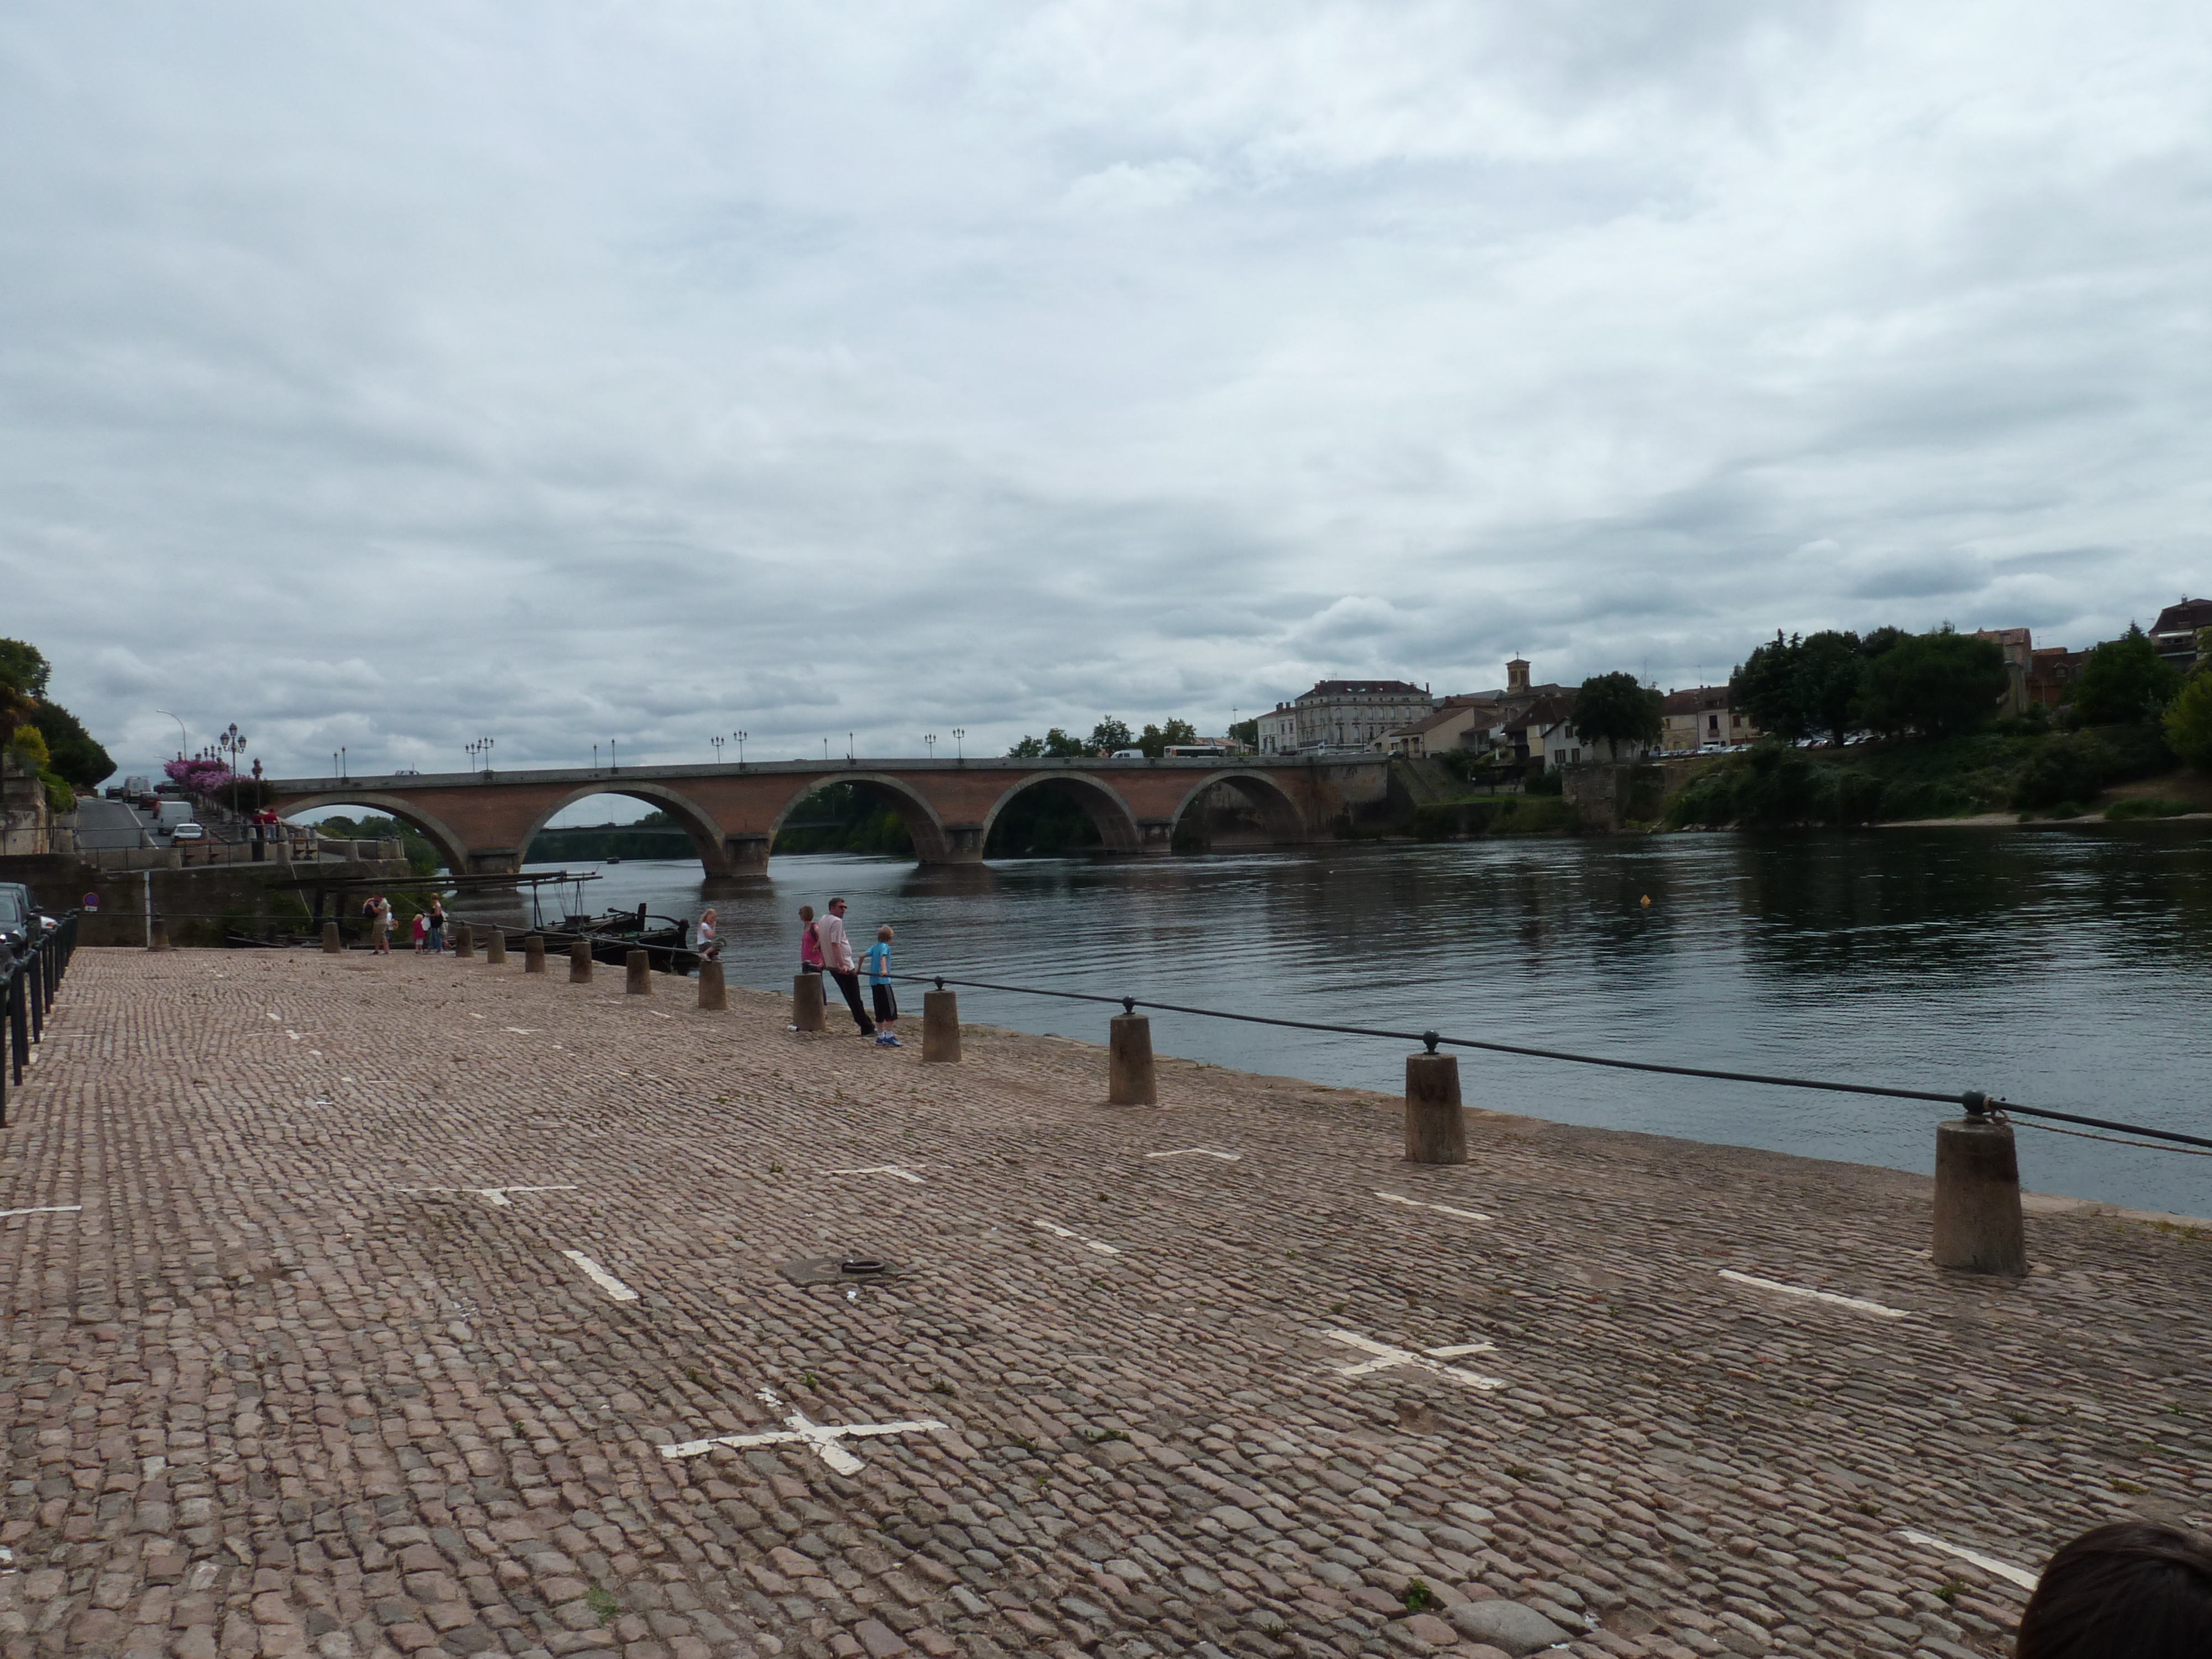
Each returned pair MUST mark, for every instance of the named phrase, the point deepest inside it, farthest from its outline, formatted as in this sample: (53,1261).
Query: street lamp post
(929,739)
(848,746)
(960,742)
(718,741)
(182,738)
(740,737)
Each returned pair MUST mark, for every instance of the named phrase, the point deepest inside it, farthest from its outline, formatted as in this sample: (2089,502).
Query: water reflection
(2060,968)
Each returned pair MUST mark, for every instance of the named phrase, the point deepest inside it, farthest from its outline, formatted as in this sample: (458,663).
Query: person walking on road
(810,942)
(878,956)
(837,962)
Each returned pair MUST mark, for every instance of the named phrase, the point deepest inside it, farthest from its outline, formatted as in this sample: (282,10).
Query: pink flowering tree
(199,777)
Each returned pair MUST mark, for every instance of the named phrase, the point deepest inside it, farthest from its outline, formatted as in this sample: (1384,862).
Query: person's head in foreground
(2132,1589)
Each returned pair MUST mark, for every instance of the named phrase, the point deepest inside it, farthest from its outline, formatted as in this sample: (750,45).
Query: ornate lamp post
(929,739)
(741,750)
(959,739)
(717,742)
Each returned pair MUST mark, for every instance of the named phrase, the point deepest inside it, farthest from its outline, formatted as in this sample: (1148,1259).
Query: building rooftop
(1363,688)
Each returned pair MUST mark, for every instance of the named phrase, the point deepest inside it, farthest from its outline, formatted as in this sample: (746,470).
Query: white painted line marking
(900,1170)
(2005,1570)
(1087,1243)
(475,1016)
(295,1036)
(521,1030)
(43,1209)
(600,1277)
(496,1194)
(821,1438)
(1386,1357)
(1850,1302)
(1446,1209)
(1197,1151)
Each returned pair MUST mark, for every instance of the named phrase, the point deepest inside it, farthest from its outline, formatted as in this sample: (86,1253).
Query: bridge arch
(1118,826)
(695,821)
(1284,822)
(934,843)
(451,848)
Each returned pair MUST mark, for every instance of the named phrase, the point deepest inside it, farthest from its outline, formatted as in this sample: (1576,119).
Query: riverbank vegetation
(41,735)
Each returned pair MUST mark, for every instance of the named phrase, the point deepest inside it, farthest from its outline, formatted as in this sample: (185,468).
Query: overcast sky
(396,376)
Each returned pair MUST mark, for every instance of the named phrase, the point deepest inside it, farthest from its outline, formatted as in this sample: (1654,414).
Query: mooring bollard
(157,935)
(331,943)
(806,1009)
(465,941)
(495,947)
(638,981)
(940,1026)
(713,993)
(1978,1223)
(580,962)
(1435,1128)
(533,953)
(1129,1078)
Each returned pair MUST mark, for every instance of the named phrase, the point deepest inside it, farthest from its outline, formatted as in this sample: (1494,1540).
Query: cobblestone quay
(414,1305)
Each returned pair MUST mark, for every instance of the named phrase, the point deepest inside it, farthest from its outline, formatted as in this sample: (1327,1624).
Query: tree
(1614,708)
(1247,733)
(1803,686)
(1154,740)
(2188,721)
(1027,749)
(24,666)
(1058,743)
(2123,681)
(78,760)
(1109,735)
(1936,684)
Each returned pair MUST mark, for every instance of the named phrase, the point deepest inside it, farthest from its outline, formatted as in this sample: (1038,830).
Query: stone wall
(202,905)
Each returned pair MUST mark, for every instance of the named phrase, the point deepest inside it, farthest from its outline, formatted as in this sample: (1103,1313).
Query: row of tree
(45,736)
(1106,738)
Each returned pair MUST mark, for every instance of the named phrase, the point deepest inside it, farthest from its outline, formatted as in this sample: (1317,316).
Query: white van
(171,813)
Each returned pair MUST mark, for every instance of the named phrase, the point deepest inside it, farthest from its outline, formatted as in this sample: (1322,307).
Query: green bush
(2146,806)
(1505,815)
(2188,721)
(1544,783)
(2064,769)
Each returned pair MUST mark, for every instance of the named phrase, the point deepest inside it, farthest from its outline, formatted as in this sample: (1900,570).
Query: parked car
(19,916)
(186,831)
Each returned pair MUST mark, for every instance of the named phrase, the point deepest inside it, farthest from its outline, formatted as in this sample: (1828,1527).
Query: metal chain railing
(1974,1102)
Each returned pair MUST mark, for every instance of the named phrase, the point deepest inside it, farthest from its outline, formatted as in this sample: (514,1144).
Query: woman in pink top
(810,942)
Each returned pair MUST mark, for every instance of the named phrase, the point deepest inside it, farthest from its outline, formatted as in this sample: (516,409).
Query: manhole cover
(854,1269)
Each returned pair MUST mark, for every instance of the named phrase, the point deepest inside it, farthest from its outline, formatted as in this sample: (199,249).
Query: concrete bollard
(1977,1223)
(940,1026)
(580,962)
(157,934)
(637,980)
(495,947)
(806,1009)
(713,993)
(331,943)
(533,953)
(1129,1076)
(465,941)
(1435,1128)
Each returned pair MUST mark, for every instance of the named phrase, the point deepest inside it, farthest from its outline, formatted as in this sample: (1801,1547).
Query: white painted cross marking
(43,1209)
(900,1170)
(1197,1151)
(1386,1357)
(821,1438)
(1850,1302)
(600,1277)
(1087,1243)
(496,1194)
(1446,1209)
(2005,1570)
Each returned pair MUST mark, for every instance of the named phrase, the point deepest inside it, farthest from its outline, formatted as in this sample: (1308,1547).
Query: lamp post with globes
(718,740)
(740,737)
(960,742)
(929,741)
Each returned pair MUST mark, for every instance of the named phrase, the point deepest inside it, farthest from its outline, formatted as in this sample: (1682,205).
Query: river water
(2057,969)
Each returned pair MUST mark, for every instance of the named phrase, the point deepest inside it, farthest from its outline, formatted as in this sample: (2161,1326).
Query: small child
(810,942)
(878,960)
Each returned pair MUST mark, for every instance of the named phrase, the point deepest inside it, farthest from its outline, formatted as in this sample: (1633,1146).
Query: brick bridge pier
(482,822)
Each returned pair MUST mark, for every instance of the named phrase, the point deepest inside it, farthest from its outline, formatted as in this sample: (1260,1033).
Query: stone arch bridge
(483,822)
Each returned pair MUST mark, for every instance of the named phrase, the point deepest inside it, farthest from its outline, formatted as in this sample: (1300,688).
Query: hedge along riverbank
(1953,777)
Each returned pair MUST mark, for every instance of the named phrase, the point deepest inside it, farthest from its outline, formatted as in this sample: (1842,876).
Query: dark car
(18,916)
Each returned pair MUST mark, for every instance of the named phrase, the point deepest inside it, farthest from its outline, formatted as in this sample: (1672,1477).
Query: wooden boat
(613,935)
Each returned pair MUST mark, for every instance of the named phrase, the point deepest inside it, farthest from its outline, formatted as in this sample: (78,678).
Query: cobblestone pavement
(1222,1377)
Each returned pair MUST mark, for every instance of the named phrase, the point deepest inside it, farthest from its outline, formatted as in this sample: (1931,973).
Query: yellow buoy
(1647,900)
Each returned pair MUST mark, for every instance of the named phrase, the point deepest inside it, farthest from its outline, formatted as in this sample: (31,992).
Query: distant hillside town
(1800,688)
